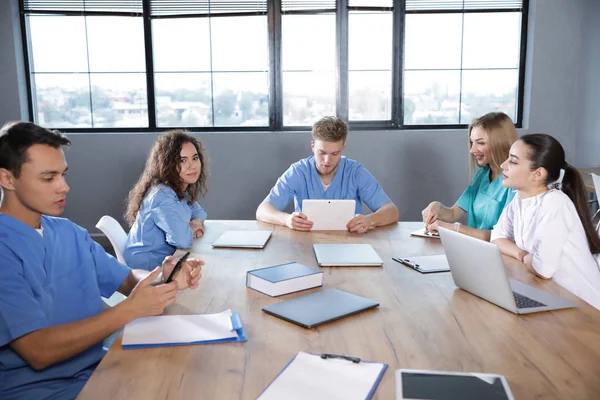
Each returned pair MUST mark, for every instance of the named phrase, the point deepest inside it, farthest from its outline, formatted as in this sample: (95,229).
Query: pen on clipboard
(406,262)
(355,360)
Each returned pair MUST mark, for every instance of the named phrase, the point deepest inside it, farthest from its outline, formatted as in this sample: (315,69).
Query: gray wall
(244,166)
(13,91)
(588,137)
(414,167)
(554,104)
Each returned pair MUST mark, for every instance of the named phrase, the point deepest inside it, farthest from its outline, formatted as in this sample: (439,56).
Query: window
(461,61)
(88,71)
(308,59)
(370,44)
(210,63)
(143,65)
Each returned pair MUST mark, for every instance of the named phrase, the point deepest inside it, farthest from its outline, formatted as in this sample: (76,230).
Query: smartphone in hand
(177,267)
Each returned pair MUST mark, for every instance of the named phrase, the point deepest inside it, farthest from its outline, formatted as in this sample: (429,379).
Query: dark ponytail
(546,152)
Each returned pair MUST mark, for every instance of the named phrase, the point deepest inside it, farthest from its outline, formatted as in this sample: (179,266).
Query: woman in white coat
(548,225)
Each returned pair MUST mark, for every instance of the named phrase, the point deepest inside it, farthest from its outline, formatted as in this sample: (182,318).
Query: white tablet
(329,215)
(412,384)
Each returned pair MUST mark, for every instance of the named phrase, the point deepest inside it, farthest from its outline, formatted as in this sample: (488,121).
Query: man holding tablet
(327,175)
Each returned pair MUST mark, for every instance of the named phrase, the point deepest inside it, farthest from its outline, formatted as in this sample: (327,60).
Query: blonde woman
(491,137)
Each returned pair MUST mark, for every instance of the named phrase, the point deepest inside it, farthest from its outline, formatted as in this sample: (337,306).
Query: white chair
(115,233)
(117,237)
(596,180)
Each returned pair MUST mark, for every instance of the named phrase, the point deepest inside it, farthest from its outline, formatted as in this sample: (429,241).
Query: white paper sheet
(430,263)
(422,233)
(311,377)
(168,329)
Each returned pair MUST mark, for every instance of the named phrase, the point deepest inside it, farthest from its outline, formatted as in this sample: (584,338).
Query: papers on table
(422,233)
(174,330)
(309,376)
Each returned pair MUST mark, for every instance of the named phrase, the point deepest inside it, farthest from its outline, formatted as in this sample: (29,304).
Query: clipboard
(423,234)
(177,330)
(425,264)
(331,377)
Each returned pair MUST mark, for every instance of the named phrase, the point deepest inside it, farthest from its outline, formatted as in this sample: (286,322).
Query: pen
(355,360)
(406,262)
(177,267)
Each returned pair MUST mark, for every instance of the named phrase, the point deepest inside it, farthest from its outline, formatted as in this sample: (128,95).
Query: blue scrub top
(162,225)
(47,281)
(484,200)
(351,181)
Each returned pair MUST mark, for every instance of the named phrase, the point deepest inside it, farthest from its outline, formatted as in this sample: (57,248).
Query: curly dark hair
(163,167)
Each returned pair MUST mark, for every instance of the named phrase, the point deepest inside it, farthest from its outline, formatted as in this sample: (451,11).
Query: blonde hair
(501,134)
(330,129)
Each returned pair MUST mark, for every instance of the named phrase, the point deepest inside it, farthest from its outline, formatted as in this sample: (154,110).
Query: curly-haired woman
(162,208)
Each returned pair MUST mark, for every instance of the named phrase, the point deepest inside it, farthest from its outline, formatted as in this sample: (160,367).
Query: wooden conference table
(423,322)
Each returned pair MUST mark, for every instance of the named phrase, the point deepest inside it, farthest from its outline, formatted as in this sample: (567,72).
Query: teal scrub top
(484,200)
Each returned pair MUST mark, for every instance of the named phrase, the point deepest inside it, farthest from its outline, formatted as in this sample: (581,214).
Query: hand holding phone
(177,267)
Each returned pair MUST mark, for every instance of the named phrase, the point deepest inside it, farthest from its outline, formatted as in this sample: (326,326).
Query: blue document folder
(157,333)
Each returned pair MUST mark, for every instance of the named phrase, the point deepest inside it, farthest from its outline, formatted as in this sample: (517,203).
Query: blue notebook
(283,279)
(330,376)
(181,330)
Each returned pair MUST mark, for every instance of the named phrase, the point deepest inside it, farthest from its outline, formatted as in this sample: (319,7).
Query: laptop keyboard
(526,302)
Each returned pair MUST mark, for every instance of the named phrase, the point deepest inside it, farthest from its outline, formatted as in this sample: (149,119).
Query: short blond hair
(330,129)
(501,134)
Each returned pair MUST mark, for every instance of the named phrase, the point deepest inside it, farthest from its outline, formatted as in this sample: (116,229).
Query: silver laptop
(477,267)
(346,255)
(243,239)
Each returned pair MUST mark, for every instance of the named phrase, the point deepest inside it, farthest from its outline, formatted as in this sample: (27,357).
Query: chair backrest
(115,233)
(596,179)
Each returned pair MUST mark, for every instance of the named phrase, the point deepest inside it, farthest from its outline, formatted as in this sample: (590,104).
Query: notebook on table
(283,279)
(325,377)
(346,255)
(243,239)
(319,308)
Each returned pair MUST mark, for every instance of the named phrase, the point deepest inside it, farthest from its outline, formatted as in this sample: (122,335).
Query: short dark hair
(17,137)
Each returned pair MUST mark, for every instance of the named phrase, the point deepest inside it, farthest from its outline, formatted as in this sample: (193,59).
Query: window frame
(275,90)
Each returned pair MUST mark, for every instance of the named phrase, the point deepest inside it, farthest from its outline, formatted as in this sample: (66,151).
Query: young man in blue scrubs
(52,276)
(327,175)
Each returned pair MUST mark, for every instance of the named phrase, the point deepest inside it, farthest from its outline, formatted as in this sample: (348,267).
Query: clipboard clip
(409,263)
(355,360)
